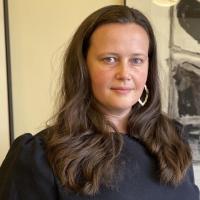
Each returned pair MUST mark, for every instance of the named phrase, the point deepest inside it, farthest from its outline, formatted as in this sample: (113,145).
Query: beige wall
(4,128)
(39,31)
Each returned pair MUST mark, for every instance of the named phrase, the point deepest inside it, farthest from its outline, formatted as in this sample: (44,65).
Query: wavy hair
(81,151)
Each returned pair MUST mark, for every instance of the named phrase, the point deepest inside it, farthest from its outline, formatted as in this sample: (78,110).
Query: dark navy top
(26,175)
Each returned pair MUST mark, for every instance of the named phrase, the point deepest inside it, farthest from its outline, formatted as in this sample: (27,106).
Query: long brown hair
(81,151)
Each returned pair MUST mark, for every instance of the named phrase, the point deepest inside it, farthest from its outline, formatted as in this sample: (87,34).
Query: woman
(109,138)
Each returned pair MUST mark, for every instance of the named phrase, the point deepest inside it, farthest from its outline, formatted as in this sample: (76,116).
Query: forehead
(113,35)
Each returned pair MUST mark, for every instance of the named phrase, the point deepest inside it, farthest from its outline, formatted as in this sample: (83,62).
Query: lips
(121,90)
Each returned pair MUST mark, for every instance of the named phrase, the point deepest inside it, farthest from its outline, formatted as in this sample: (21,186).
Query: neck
(119,120)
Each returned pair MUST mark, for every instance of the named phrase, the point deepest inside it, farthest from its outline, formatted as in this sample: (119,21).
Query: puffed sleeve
(25,173)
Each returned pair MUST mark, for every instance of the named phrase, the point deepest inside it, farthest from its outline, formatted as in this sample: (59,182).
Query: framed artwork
(184,93)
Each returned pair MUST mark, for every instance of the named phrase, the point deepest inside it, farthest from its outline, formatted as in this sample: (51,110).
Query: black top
(26,175)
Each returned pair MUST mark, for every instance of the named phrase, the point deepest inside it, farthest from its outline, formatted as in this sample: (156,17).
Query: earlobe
(142,103)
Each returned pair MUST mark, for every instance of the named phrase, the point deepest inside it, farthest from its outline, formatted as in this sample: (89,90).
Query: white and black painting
(184,102)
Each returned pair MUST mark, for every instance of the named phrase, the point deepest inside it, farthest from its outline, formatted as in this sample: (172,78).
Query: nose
(123,72)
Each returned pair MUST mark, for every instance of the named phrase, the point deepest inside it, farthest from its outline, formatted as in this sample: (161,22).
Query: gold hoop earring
(142,103)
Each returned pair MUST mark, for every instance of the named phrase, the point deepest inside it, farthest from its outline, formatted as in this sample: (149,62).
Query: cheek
(141,78)
(100,80)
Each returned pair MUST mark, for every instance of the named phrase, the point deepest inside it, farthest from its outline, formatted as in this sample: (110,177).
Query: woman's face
(117,61)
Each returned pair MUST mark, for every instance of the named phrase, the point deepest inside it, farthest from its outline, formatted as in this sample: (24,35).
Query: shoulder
(27,150)
(183,132)
(26,165)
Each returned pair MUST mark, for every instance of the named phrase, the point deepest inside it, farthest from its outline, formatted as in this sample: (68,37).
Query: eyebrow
(139,54)
(116,54)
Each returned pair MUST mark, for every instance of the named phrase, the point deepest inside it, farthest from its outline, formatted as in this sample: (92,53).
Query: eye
(110,60)
(136,61)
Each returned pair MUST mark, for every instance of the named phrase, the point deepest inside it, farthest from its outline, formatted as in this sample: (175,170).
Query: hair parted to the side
(80,149)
